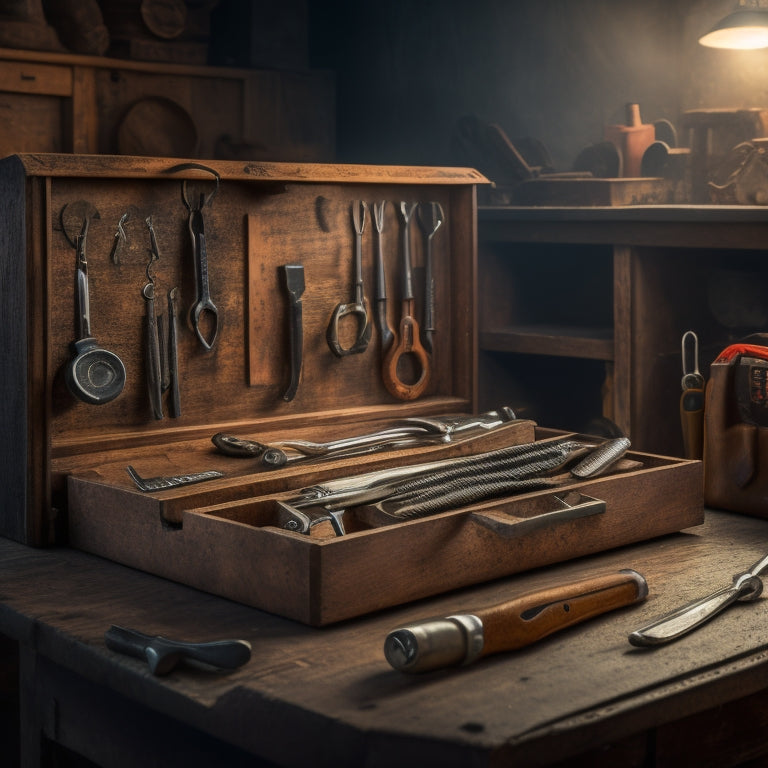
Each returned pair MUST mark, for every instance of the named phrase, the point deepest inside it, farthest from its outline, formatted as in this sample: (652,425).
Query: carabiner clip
(692,378)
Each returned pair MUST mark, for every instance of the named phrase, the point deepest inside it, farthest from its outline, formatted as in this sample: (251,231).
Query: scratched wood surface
(328,697)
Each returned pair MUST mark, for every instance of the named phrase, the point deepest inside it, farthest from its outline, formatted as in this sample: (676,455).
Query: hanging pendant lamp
(744,29)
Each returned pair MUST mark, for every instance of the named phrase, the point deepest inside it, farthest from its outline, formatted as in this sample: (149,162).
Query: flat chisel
(466,637)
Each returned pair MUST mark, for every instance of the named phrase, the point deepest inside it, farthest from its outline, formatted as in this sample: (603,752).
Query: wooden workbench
(327,696)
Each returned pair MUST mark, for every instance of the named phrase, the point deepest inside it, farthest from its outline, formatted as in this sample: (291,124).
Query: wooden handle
(535,615)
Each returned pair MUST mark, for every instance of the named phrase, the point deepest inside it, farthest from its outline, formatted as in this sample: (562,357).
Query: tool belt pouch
(736,429)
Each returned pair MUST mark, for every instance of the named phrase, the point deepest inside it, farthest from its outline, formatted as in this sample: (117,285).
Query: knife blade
(162,654)
(746,586)
(464,638)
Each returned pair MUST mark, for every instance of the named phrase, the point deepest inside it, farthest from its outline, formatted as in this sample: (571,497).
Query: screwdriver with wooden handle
(466,637)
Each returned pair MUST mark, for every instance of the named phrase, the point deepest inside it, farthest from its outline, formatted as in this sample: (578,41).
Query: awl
(163,654)
(464,638)
(745,586)
(293,277)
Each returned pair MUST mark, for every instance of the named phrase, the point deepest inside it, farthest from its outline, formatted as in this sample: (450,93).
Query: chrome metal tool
(430,217)
(162,655)
(746,586)
(358,307)
(94,374)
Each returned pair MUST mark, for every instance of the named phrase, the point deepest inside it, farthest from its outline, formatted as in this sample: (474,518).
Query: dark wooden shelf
(553,340)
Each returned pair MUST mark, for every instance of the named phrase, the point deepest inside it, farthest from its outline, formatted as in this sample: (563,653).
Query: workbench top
(327,696)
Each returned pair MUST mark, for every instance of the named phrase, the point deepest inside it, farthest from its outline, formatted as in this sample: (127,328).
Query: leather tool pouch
(736,429)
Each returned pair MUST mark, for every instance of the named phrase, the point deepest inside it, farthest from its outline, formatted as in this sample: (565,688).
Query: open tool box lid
(65,461)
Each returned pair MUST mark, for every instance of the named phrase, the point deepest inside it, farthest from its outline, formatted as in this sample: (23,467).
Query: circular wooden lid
(164,18)
(159,127)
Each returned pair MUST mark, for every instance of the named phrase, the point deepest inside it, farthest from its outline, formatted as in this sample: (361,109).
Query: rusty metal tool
(162,654)
(357,308)
(153,359)
(173,353)
(382,324)
(293,280)
(203,314)
(463,638)
(119,239)
(152,352)
(430,217)
(93,375)
(745,587)
(407,344)
(163,482)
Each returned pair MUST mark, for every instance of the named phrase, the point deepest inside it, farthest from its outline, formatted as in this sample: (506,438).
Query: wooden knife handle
(530,617)
(462,638)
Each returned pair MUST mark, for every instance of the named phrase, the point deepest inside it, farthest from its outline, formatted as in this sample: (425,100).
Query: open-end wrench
(408,343)
(203,312)
(385,332)
(430,217)
(357,308)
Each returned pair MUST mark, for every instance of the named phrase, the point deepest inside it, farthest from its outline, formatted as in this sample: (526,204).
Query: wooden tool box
(64,461)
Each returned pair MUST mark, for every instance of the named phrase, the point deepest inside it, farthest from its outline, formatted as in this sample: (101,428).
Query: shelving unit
(582,310)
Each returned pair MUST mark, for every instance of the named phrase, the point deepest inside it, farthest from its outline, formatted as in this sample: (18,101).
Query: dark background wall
(555,70)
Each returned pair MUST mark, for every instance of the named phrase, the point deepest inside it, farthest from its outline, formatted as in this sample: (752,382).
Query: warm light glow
(742,30)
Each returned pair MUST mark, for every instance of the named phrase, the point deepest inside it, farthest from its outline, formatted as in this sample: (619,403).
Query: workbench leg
(31,725)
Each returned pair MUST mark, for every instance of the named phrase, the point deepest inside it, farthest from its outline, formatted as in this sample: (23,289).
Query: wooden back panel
(262,216)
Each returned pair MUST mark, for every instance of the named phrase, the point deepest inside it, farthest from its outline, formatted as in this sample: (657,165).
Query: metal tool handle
(152,351)
(173,353)
(381,282)
(293,279)
(82,294)
(408,343)
(358,308)
(162,654)
(203,310)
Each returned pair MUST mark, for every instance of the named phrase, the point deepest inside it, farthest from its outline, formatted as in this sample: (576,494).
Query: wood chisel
(463,638)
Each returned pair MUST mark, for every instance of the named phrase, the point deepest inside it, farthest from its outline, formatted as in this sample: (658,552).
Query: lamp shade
(741,30)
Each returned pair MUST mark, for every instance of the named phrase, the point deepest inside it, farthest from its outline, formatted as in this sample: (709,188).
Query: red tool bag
(736,429)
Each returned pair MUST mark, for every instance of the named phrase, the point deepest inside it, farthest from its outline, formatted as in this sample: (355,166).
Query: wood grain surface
(328,696)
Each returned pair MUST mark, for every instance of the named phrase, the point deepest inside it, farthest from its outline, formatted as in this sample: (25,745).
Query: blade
(692,615)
